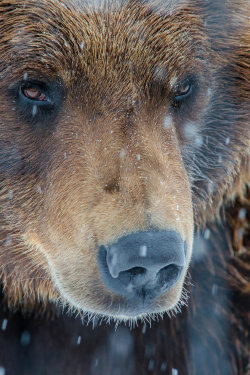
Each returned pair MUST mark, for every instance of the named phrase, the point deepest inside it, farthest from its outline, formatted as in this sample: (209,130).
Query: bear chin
(116,308)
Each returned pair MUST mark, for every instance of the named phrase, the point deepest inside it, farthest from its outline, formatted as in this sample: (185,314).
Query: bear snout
(143,265)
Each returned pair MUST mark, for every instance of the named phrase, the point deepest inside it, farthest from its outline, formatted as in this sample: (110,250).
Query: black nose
(144,263)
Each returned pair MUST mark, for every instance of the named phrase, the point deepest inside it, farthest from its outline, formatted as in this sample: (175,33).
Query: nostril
(134,276)
(136,271)
(169,275)
(169,268)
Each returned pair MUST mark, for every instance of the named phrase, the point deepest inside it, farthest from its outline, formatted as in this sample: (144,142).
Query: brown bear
(124,127)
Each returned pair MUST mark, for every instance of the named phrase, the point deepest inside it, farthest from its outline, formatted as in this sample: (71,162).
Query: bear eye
(34,93)
(183,91)
(38,102)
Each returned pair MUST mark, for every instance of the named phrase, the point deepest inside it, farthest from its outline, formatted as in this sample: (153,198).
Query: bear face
(108,116)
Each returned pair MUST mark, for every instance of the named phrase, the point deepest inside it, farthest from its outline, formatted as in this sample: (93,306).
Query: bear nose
(144,263)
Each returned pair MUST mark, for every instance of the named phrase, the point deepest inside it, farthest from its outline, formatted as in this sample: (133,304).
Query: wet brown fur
(119,81)
(75,183)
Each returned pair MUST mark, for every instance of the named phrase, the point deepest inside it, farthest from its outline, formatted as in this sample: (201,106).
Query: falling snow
(79,339)
(209,92)
(242,213)
(214,289)
(210,186)
(190,130)
(122,153)
(240,233)
(199,248)
(163,366)
(151,365)
(39,189)
(207,234)
(96,361)
(198,140)
(167,122)
(172,82)
(119,346)
(4,324)
(143,251)
(34,110)
(25,338)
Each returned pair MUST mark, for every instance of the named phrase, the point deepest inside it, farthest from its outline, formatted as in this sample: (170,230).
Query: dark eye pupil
(34,94)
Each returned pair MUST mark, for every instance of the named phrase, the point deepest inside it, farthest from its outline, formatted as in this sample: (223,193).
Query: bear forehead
(89,38)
